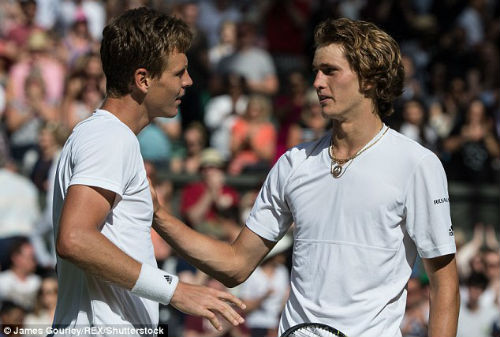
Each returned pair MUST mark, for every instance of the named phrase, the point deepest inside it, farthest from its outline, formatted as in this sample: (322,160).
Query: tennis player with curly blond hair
(365,201)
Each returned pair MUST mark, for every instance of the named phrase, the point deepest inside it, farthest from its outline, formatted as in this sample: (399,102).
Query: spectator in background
(416,127)
(19,208)
(311,125)
(81,98)
(156,139)
(19,283)
(415,320)
(226,45)
(188,159)
(39,60)
(286,18)
(45,306)
(253,63)
(77,42)
(51,140)
(24,118)
(491,260)
(472,20)
(221,112)
(413,88)
(21,32)
(212,14)
(469,256)
(210,205)
(253,138)
(473,146)
(93,10)
(199,68)
(476,320)
(266,291)
(289,106)
(11,317)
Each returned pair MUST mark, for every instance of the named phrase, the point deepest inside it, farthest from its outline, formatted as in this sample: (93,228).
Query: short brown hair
(139,38)
(372,54)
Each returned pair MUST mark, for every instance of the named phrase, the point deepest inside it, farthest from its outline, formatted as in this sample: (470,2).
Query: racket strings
(312,332)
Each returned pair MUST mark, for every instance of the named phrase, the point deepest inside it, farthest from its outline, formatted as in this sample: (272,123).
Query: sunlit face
(164,94)
(336,83)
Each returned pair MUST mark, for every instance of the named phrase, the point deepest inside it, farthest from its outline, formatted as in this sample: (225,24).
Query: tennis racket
(312,330)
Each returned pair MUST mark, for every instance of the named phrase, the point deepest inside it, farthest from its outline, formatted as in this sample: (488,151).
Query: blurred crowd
(251,100)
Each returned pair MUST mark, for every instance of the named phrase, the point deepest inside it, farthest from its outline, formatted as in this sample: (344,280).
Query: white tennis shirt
(104,152)
(356,237)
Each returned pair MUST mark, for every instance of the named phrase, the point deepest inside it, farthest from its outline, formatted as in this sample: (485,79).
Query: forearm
(444,308)
(216,258)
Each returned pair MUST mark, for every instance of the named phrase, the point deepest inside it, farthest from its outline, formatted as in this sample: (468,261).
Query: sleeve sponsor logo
(441,201)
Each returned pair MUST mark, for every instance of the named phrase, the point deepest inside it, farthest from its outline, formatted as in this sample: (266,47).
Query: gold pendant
(336,171)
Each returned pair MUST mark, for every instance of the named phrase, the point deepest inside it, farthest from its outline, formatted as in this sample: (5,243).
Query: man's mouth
(323,99)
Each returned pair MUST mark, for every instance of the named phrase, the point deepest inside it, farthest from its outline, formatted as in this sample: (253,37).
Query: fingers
(207,302)
(230,298)
(212,318)
(228,313)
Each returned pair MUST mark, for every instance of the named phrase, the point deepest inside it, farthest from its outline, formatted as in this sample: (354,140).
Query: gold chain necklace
(336,164)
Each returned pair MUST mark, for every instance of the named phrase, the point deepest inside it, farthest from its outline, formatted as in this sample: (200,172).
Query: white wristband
(155,284)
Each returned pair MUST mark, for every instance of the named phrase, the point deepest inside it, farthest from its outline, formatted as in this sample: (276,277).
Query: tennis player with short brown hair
(107,272)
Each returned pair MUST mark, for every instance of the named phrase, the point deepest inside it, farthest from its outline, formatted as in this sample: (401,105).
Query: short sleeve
(103,160)
(427,207)
(271,217)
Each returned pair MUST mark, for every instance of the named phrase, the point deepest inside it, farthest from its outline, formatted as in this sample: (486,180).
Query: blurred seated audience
(187,159)
(156,139)
(288,108)
(311,125)
(78,42)
(51,140)
(474,319)
(416,127)
(469,256)
(25,117)
(491,260)
(11,317)
(42,315)
(221,112)
(416,318)
(473,146)
(226,44)
(19,283)
(21,30)
(19,208)
(210,205)
(252,62)
(253,138)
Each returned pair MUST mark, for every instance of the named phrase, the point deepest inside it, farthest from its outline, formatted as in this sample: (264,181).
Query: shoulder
(406,150)
(296,156)
(301,152)
(107,130)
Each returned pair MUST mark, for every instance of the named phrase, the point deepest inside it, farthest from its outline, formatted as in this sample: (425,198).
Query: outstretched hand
(207,302)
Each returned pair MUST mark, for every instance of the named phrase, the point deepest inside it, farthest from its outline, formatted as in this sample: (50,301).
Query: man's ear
(142,80)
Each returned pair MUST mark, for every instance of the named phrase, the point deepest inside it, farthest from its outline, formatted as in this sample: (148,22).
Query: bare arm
(444,296)
(80,241)
(229,263)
